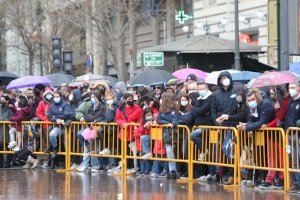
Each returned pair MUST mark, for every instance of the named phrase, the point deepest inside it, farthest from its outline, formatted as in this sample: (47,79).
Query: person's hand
(276,105)
(10,106)
(224,117)
(151,104)
(242,126)
(264,126)
(219,120)
(82,119)
(124,125)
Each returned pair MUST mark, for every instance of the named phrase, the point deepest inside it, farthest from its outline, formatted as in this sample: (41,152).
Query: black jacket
(222,103)
(292,114)
(201,110)
(266,114)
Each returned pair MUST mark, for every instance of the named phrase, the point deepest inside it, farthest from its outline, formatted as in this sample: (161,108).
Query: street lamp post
(39,13)
(237,64)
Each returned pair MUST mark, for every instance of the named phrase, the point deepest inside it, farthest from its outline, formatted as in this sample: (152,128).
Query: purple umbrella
(27,81)
(183,73)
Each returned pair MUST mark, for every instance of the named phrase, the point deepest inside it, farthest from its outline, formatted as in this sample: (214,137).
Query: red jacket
(280,113)
(138,132)
(131,114)
(41,111)
(159,148)
(19,116)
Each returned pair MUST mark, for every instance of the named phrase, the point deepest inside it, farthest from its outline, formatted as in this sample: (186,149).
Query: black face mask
(130,103)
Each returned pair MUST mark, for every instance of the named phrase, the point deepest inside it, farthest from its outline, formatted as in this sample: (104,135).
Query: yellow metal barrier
(210,152)
(292,154)
(107,144)
(161,137)
(4,137)
(35,134)
(263,150)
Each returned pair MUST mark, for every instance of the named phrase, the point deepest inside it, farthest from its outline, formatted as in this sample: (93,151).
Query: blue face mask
(252,104)
(56,100)
(93,100)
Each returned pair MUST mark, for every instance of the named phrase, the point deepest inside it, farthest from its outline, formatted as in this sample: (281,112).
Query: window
(185,5)
(209,3)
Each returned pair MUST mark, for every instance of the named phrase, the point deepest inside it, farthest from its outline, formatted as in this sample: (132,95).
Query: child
(168,115)
(22,112)
(142,135)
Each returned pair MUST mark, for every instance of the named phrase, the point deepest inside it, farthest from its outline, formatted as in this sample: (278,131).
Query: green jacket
(82,109)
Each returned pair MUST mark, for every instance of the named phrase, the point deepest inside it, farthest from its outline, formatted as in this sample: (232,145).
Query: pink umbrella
(183,73)
(272,78)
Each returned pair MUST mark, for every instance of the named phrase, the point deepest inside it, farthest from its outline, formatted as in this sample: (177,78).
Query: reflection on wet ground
(48,184)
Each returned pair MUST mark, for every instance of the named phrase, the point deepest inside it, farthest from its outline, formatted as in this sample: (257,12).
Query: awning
(205,44)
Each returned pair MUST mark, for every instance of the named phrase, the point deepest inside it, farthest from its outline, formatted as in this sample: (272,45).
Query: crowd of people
(191,102)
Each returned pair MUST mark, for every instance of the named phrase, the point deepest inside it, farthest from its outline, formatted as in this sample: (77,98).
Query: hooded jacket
(222,103)
(201,110)
(21,115)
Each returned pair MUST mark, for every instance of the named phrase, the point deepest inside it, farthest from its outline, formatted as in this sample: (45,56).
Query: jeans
(196,137)
(82,141)
(296,158)
(54,134)
(159,166)
(145,165)
(170,155)
(12,133)
(145,140)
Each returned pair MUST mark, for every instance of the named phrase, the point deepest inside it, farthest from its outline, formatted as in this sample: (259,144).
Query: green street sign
(153,59)
(138,59)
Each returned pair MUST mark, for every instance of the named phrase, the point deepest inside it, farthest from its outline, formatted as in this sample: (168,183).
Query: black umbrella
(6,77)
(151,76)
(59,78)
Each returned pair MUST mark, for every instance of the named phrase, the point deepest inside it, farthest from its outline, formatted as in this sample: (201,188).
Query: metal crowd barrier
(36,137)
(263,150)
(162,138)
(107,144)
(4,137)
(292,155)
(210,152)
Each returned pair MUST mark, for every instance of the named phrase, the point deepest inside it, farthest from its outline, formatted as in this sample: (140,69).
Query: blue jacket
(201,110)
(187,118)
(292,114)
(266,114)
(60,111)
(110,114)
(171,117)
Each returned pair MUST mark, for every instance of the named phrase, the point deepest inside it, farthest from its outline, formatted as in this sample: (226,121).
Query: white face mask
(293,92)
(184,103)
(110,101)
(192,91)
(202,93)
(135,97)
(226,82)
(150,118)
(71,97)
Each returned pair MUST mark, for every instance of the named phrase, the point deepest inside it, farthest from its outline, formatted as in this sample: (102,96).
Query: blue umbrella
(244,76)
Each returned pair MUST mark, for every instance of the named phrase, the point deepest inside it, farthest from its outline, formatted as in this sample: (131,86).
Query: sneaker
(12,144)
(48,150)
(96,169)
(105,152)
(115,169)
(147,156)
(153,175)
(131,171)
(210,178)
(27,165)
(82,168)
(146,174)
(163,175)
(278,184)
(294,189)
(173,175)
(35,163)
(266,185)
(45,165)
(16,148)
(74,167)
(202,156)
(229,181)
(202,179)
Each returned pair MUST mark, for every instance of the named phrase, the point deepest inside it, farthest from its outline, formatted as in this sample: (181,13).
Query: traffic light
(67,61)
(56,47)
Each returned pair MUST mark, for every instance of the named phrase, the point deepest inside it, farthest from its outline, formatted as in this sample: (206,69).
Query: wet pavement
(49,184)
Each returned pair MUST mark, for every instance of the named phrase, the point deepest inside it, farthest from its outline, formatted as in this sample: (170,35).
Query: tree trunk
(30,61)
